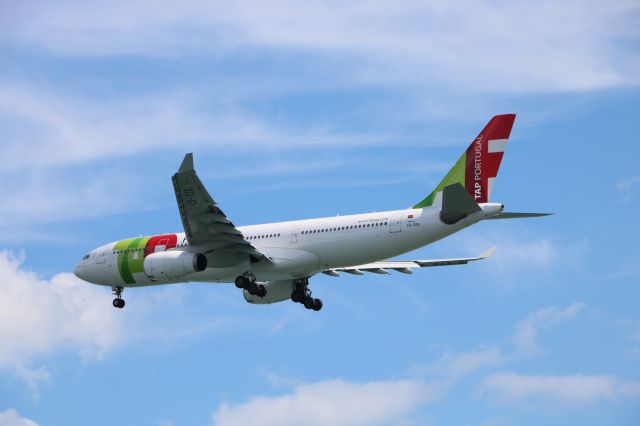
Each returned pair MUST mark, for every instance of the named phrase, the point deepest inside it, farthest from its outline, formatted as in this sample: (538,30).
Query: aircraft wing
(204,223)
(405,266)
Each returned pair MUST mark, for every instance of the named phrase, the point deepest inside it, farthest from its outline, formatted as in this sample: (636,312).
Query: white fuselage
(302,248)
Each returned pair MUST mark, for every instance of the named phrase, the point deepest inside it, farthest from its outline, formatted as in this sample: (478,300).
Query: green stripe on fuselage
(130,257)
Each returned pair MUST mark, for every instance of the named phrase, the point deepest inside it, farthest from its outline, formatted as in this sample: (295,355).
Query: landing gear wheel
(309,303)
(253,289)
(262,291)
(245,281)
(118,302)
(297,296)
(302,294)
(240,281)
(317,304)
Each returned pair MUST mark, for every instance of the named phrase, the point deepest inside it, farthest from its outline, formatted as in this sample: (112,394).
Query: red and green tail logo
(477,168)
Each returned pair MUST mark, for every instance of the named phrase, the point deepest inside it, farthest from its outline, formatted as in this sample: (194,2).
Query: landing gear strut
(248,282)
(302,294)
(118,302)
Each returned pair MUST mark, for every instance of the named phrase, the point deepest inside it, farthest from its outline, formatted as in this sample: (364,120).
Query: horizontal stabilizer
(512,215)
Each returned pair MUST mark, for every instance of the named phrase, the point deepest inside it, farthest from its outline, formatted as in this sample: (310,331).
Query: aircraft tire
(308,303)
(253,289)
(262,291)
(297,296)
(240,280)
(317,304)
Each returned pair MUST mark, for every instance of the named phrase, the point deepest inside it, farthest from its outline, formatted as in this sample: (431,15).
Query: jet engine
(173,264)
(277,291)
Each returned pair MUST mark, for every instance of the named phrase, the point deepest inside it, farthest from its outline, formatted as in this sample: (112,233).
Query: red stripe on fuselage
(168,240)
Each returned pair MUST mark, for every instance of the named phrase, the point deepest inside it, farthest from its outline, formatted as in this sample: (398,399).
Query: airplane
(273,262)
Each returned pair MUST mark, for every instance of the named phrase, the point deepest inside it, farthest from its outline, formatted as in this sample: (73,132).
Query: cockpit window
(85,257)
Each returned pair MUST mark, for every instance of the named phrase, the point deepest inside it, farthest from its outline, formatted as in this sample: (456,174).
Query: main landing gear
(248,282)
(302,294)
(118,302)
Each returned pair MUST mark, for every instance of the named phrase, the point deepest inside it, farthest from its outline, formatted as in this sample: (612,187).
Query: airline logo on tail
(477,168)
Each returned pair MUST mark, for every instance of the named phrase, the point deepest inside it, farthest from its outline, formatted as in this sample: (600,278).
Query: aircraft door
(395,224)
(294,236)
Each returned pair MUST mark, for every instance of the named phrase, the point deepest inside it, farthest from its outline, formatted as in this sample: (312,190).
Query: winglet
(487,253)
(187,164)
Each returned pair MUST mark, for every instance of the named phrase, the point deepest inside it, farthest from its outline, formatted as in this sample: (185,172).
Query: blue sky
(306,110)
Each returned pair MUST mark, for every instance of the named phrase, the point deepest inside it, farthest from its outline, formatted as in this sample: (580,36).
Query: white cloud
(526,335)
(571,389)
(627,188)
(477,45)
(332,402)
(41,317)
(455,365)
(11,417)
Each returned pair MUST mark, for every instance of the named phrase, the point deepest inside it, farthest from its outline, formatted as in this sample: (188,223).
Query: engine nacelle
(277,291)
(173,264)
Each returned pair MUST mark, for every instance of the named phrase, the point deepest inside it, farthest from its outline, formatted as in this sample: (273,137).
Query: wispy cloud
(570,389)
(44,128)
(455,365)
(527,331)
(517,252)
(46,196)
(627,188)
(514,46)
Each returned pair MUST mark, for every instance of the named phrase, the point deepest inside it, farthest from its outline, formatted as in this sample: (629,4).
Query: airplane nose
(80,272)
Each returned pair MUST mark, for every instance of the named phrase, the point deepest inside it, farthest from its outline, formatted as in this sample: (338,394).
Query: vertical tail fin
(478,166)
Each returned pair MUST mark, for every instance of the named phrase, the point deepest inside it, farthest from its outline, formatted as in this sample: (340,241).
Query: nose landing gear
(302,294)
(118,302)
